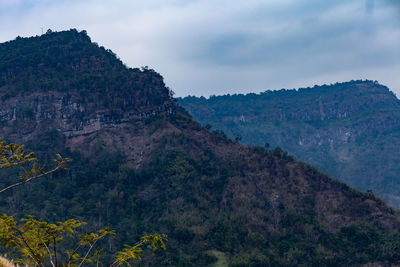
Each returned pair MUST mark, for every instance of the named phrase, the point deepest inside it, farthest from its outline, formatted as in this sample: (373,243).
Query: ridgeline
(141,165)
(350,130)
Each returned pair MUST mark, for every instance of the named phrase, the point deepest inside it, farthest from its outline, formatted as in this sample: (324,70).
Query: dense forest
(350,130)
(151,168)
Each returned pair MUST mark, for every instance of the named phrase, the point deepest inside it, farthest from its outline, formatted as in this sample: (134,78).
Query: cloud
(207,47)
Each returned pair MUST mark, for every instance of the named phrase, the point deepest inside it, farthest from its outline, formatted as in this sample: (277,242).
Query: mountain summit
(141,164)
(80,87)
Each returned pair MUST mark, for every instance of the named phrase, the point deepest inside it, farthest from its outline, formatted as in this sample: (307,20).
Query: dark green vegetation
(78,68)
(37,243)
(148,167)
(350,130)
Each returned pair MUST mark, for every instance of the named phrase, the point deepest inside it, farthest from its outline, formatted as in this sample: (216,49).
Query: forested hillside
(141,165)
(350,130)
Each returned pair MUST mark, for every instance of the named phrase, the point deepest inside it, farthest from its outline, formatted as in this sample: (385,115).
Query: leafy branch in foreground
(14,155)
(37,242)
(132,253)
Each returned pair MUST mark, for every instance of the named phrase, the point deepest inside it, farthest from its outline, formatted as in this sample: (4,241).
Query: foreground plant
(36,242)
(14,155)
(39,243)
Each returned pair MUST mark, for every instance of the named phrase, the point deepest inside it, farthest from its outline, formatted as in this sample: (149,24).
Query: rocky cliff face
(350,130)
(141,164)
(25,116)
(64,81)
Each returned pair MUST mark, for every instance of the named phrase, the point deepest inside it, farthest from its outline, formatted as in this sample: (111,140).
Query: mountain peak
(61,61)
(142,165)
(64,80)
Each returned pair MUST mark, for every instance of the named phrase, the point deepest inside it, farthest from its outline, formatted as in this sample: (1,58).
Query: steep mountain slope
(145,166)
(350,130)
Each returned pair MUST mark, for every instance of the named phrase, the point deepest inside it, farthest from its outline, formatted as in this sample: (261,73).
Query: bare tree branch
(32,178)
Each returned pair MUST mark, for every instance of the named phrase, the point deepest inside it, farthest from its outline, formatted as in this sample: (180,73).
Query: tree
(14,155)
(37,242)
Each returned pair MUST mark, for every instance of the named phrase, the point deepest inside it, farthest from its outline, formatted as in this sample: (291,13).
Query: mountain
(350,130)
(141,165)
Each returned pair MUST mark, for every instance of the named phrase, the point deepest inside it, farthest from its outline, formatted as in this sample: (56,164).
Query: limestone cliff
(64,81)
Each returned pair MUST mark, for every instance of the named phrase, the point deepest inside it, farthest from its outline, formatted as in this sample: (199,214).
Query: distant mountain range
(141,165)
(350,130)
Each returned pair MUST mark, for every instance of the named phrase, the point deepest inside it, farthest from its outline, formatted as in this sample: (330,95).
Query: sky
(214,47)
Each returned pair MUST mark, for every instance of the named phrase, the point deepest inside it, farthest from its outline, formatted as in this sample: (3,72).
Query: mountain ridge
(340,128)
(164,172)
(91,69)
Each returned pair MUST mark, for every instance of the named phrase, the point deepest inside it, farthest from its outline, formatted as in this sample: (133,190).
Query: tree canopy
(38,242)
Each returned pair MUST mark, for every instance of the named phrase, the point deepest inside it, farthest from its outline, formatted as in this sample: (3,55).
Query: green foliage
(165,173)
(69,62)
(35,242)
(14,155)
(133,253)
(344,129)
(38,243)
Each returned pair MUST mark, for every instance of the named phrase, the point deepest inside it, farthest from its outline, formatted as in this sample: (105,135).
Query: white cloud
(213,46)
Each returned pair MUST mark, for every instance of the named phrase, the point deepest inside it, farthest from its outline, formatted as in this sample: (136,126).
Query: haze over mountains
(350,130)
(141,164)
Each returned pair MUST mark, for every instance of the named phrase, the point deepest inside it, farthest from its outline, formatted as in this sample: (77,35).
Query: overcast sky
(205,47)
